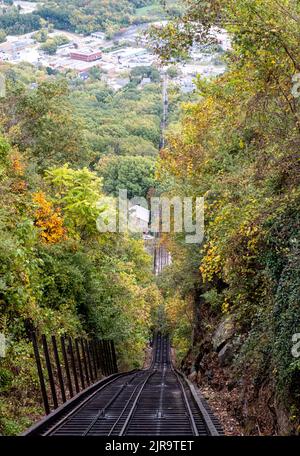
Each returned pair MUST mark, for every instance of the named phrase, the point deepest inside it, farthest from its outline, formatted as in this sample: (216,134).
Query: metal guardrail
(70,366)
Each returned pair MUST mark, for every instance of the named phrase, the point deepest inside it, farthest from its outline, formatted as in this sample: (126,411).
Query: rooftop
(85,51)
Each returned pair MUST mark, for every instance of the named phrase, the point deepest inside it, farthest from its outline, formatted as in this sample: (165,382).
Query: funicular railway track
(152,402)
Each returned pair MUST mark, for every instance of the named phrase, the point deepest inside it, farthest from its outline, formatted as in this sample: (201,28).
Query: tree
(96,73)
(136,174)
(41,36)
(14,23)
(51,45)
(140,72)
(173,72)
(78,192)
(43,123)
(48,220)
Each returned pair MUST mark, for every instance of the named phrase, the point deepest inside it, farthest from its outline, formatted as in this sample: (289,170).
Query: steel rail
(112,400)
(187,406)
(212,430)
(65,419)
(140,404)
(128,401)
(73,405)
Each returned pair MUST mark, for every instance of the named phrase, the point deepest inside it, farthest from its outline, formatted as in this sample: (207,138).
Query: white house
(139,219)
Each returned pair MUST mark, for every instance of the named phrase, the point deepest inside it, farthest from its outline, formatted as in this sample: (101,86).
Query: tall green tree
(136,174)
(40,121)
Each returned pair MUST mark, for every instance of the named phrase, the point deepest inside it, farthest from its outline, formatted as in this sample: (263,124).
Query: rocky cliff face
(245,387)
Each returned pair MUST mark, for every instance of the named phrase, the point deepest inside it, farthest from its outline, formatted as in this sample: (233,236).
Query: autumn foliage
(48,219)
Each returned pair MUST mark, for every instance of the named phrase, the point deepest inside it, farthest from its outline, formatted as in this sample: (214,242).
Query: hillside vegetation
(108,16)
(58,274)
(238,146)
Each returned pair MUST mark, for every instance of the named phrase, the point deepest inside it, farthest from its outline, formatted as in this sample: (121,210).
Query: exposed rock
(209,375)
(250,425)
(283,422)
(223,333)
(226,354)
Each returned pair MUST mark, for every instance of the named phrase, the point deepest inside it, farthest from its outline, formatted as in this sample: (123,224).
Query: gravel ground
(218,404)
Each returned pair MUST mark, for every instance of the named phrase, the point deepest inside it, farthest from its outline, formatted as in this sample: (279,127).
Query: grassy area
(151,10)
(156,9)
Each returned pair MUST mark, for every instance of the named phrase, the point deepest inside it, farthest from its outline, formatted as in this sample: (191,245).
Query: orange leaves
(19,186)
(49,220)
(16,172)
(17,164)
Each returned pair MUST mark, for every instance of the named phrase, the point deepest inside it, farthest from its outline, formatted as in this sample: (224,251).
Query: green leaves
(44,125)
(77,192)
(136,174)
(239,147)
(107,130)
(4,149)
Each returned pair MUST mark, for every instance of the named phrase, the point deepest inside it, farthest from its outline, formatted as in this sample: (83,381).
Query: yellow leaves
(178,309)
(225,306)
(252,234)
(48,219)
(189,168)
(211,265)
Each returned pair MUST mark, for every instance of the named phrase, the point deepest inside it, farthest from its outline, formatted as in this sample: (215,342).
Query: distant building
(118,83)
(82,68)
(139,218)
(145,81)
(99,35)
(65,46)
(86,55)
(22,44)
(84,74)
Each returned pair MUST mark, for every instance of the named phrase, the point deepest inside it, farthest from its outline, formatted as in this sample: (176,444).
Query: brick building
(87,55)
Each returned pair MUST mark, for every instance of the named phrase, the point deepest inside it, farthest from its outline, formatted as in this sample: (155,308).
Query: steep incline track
(152,402)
